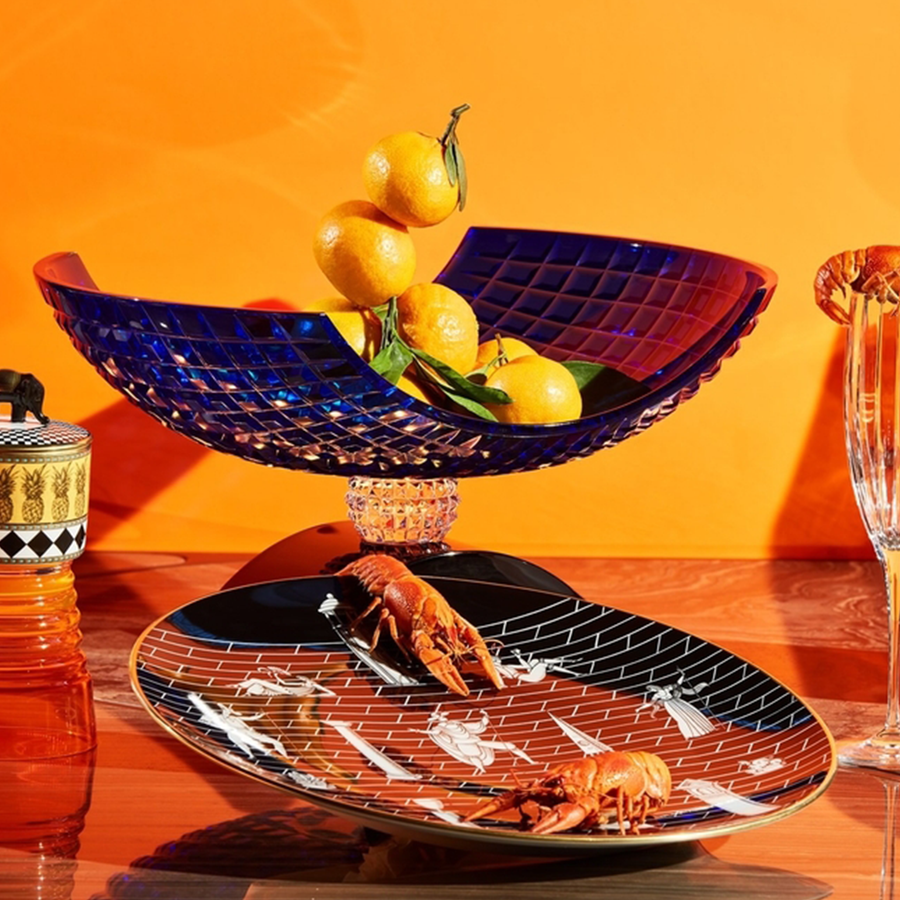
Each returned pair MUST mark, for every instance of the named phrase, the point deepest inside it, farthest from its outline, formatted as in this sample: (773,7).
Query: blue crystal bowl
(285,389)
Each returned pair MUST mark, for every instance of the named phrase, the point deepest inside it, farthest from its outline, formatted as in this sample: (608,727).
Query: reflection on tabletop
(43,804)
(265,856)
(891,785)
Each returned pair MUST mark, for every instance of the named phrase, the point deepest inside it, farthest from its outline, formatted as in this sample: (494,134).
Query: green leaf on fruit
(392,360)
(460,173)
(473,406)
(383,310)
(585,372)
(603,388)
(450,164)
(459,384)
(453,158)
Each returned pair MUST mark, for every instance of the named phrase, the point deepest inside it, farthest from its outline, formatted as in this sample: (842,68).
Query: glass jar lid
(31,439)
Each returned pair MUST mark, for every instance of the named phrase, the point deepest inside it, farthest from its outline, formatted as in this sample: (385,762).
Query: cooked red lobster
(585,793)
(875,270)
(419,620)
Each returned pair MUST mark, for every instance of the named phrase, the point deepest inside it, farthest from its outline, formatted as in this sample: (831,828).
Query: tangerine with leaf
(499,350)
(417,179)
(543,392)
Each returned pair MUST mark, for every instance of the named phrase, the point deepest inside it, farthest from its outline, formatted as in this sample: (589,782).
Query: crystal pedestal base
(404,518)
(402,512)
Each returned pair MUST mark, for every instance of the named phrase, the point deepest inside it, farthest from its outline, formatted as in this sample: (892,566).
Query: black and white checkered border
(44,544)
(32,435)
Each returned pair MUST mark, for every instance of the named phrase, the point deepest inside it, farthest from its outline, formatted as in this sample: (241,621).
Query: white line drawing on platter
(393,770)
(761,765)
(435,806)
(531,669)
(588,745)
(280,683)
(360,649)
(223,717)
(715,794)
(310,782)
(670,698)
(461,739)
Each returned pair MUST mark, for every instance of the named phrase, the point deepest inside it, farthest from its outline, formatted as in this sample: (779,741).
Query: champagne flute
(872,422)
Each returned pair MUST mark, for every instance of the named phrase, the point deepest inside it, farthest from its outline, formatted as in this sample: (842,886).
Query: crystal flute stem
(890,561)
(883,475)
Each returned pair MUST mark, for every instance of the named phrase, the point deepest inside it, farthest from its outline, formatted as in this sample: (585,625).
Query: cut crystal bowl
(285,389)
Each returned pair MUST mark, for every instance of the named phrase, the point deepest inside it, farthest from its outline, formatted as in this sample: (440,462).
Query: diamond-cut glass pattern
(284,389)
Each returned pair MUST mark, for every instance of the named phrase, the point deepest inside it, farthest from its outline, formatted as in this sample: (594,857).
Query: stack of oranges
(424,336)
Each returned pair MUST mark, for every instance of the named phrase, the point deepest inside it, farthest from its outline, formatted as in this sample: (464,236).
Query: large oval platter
(275,682)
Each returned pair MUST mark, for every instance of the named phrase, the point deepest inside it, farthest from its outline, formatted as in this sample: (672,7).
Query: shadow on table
(268,856)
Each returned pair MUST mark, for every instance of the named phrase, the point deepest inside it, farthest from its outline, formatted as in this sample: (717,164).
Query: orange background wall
(187,149)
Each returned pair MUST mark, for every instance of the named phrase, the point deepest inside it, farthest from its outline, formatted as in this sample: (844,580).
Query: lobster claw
(438,663)
(505,801)
(562,817)
(475,643)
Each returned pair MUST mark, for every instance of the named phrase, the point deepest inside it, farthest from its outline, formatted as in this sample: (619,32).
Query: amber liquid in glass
(46,708)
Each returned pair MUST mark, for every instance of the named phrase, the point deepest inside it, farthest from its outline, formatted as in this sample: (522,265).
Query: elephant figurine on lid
(24,392)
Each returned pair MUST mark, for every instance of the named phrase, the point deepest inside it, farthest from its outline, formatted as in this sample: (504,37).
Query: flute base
(879,752)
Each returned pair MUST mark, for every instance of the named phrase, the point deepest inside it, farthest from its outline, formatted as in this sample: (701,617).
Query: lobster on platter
(874,271)
(420,620)
(585,793)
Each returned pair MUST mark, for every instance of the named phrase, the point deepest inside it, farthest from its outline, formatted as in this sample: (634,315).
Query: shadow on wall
(134,458)
(819,517)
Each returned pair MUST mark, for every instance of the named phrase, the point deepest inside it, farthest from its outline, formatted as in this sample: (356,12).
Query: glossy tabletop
(160,820)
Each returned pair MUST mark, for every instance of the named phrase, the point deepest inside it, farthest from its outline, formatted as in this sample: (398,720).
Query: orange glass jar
(46,708)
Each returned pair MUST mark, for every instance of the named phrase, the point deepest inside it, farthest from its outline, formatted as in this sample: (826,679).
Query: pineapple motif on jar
(81,471)
(33,504)
(8,478)
(44,474)
(60,506)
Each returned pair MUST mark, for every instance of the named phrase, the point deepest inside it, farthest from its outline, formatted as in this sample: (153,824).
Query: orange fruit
(512,347)
(368,257)
(406,178)
(360,328)
(542,390)
(434,318)
(409,384)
